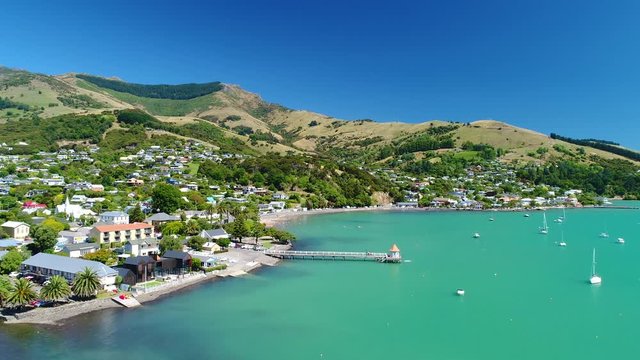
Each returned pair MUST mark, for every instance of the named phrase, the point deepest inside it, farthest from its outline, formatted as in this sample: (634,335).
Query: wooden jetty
(392,257)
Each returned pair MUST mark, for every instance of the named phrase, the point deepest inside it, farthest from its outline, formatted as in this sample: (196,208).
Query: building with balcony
(105,234)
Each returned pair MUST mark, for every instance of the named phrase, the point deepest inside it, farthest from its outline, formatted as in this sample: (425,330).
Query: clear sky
(570,67)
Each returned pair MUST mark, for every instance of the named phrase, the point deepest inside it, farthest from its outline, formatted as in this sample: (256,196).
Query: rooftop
(162,217)
(68,265)
(121,227)
(13,224)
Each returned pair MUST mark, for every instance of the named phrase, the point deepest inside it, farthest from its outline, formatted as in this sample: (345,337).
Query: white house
(142,247)
(16,229)
(114,217)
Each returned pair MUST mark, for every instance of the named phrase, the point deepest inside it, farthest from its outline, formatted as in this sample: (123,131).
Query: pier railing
(331,255)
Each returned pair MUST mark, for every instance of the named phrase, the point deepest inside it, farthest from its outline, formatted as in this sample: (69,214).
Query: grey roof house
(47,265)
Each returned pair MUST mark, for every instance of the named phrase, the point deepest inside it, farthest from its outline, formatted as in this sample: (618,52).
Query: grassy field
(193,168)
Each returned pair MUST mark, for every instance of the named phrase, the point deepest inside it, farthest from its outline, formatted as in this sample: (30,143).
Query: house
(128,277)
(81,249)
(46,265)
(75,237)
(142,266)
(30,207)
(214,234)
(211,246)
(160,218)
(182,259)
(207,260)
(121,232)
(135,182)
(114,217)
(142,247)
(198,214)
(279,205)
(280,196)
(16,229)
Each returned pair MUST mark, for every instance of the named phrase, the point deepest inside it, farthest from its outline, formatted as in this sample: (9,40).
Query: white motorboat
(476,235)
(460,292)
(620,241)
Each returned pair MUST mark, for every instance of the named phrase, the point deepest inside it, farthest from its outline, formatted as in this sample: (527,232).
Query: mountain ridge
(266,126)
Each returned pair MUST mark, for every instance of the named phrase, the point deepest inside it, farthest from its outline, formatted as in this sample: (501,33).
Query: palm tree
(56,289)
(21,293)
(86,283)
(5,289)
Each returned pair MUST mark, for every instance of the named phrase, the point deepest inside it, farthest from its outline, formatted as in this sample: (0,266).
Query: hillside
(223,114)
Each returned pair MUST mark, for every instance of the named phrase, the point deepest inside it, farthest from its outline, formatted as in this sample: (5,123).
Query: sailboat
(544,229)
(562,243)
(595,278)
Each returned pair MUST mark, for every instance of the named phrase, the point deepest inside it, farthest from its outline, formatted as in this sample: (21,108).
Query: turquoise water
(526,297)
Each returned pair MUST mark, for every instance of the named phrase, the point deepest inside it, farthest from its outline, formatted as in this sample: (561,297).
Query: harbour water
(525,297)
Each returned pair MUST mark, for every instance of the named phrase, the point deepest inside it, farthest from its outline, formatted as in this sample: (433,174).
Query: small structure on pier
(394,254)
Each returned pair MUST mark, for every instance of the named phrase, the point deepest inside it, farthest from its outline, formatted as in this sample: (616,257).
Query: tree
(5,289)
(11,261)
(21,293)
(257,229)
(192,228)
(170,243)
(196,264)
(173,228)
(105,256)
(54,224)
(166,198)
(136,214)
(44,239)
(196,242)
(56,289)
(223,242)
(86,283)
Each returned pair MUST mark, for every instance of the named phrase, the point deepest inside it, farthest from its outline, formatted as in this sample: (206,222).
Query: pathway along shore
(245,262)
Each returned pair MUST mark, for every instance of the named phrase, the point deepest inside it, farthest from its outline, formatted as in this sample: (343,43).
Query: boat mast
(593,263)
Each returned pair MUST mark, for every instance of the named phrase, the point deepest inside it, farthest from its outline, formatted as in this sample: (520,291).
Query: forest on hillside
(176,92)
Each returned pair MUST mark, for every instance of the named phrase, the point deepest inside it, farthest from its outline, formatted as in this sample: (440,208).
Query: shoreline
(285,216)
(248,261)
(57,316)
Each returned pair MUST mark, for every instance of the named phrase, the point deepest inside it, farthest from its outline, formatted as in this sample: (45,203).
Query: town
(150,217)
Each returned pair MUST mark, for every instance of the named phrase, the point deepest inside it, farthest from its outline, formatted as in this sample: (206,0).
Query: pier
(392,257)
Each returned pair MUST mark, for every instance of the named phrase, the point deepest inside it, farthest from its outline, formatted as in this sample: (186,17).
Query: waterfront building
(46,265)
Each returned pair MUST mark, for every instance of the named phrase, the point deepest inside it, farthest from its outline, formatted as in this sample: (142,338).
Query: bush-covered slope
(176,92)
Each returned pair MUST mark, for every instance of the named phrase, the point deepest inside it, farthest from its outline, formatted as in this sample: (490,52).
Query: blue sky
(568,67)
